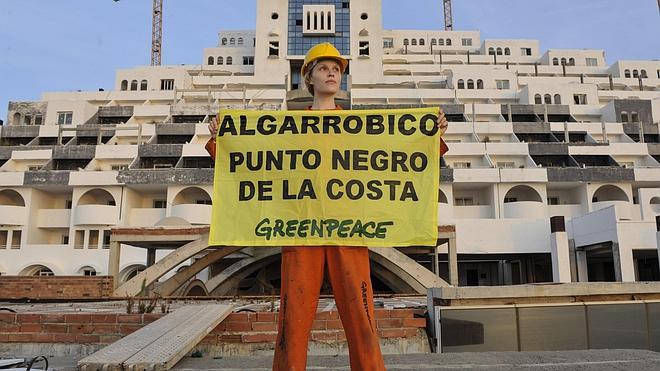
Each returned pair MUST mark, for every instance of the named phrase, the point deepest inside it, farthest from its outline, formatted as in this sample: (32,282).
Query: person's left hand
(442,123)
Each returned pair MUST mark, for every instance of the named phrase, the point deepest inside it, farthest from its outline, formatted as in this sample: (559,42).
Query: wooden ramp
(160,344)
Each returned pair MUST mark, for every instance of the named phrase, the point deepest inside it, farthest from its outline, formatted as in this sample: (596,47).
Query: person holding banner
(302,270)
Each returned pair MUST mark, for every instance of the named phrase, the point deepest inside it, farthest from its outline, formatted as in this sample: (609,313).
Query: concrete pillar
(452,260)
(582,268)
(435,262)
(151,257)
(657,235)
(624,270)
(545,113)
(113,262)
(573,260)
(561,264)
(604,130)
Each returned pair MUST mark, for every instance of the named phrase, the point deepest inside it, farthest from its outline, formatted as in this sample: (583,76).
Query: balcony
(193,213)
(13,215)
(96,215)
(524,210)
(622,208)
(54,218)
(146,217)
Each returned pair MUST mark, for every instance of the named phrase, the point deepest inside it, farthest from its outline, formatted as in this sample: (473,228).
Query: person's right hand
(213,126)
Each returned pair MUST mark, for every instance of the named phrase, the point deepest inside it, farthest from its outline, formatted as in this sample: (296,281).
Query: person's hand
(442,123)
(213,126)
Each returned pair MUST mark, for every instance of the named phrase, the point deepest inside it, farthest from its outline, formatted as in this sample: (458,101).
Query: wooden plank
(168,350)
(114,355)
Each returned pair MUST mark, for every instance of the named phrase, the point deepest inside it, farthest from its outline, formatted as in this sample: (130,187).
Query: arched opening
(134,85)
(643,74)
(17,119)
(195,288)
(538,99)
(87,270)
(130,272)
(563,61)
(240,41)
(36,270)
(434,42)
(461,84)
(522,193)
(210,61)
(442,198)
(229,60)
(547,99)
(491,51)
(507,51)
(219,61)
(635,73)
(413,42)
(655,204)
(571,61)
(192,195)
(480,84)
(124,85)
(441,42)
(470,84)
(405,41)
(609,193)
(421,42)
(97,197)
(499,51)
(232,41)
(9,197)
(624,117)
(448,42)
(557,99)
(143,85)
(626,73)
(555,61)
(224,41)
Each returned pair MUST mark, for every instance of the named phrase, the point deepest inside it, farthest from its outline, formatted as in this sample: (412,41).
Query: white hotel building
(533,134)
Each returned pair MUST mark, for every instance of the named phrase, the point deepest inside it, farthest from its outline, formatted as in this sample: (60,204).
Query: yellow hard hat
(323,51)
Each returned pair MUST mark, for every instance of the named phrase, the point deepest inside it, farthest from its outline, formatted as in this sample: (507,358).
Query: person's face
(326,77)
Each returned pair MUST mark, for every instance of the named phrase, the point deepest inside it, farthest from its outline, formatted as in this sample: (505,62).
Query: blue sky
(67,45)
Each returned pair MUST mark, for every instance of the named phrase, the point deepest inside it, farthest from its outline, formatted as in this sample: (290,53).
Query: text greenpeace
(321,178)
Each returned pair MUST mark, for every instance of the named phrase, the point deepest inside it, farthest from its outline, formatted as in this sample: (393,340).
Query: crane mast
(157,33)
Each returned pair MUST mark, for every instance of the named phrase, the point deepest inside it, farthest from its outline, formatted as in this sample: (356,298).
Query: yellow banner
(321,178)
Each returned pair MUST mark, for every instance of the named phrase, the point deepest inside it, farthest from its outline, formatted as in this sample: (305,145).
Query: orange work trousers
(302,277)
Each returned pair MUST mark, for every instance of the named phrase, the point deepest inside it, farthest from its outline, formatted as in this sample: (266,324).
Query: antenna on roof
(449,23)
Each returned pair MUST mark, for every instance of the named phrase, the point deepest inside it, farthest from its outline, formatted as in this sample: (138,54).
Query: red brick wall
(55,287)
(86,328)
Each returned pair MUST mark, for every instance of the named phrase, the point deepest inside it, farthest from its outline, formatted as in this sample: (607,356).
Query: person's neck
(324,102)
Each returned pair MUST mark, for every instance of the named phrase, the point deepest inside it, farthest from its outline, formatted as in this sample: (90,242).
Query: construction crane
(156,32)
(449,23)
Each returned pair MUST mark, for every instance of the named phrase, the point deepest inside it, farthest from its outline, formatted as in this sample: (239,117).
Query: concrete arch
(163,266)
(10,197)
(655,204)
(191,195)
(91,266)
(609,192)
(404,272)
(442,198)
(33,269)
(523,193)
(129,272)
(97,196)
(195,288)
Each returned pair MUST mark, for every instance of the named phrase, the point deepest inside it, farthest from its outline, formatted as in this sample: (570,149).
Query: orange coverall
(302,277)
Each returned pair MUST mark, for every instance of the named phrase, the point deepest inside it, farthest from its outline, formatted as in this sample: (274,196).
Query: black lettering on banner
(358,124)
(428,120)
(344,228)
(409,192)
(402,124)
(390,124)
(254,160)
(367,233)
(316,229)
(331,225)
(329,189)
(375,193)
(244,129)
(235,159)
(414,159)
(379,160)
(392,184)
(246,191)
(351,192)
(265,188)
(399,159)
(375,124)
(307,159)
(331,122)
(380,229)
(227,126)
(310,123)
(290,228)
(270,128)
(357,229)
(263,231)
(274,160)
(302,229)
(344,161)
(293,153)
(278,228)
(289,125)
(360,159)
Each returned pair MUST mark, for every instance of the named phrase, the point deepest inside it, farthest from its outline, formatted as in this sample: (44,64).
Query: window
(134,85)
(466,42)
(580,99)
(388,43)
(248,60)
(626,73)
(274,16)
(506,165)
(27,120)
(422,42)
(463,201)
(635,73)
(203,202)
(592,62)
(510,199)
(64,118)
(224,41)
(634,116)
(219,60)
(124,85)
(563,61)
(44,272)
(502,84)
(507,51)
(553,200)
(480,84)
(143,85)
(413,42)
(499,51)
(118,167)
(89,272)
(491,51)
(557,99)
(547,99)
(434,42)
(555,61)
(160,204)
(240,41)
(470,84)
(538,99)
(441,42)
(462,165)
(364,48)
(526,52)
(38,120)
(274,49)
(624,117)
(405,41)
(643,74)
(461,84)
(210,61)
(65,239)
(230,60)
(232,41)
(448,42)
(318,19)
(167,84)
(571,61)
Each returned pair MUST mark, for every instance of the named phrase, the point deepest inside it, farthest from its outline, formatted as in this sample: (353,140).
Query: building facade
(533,134)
